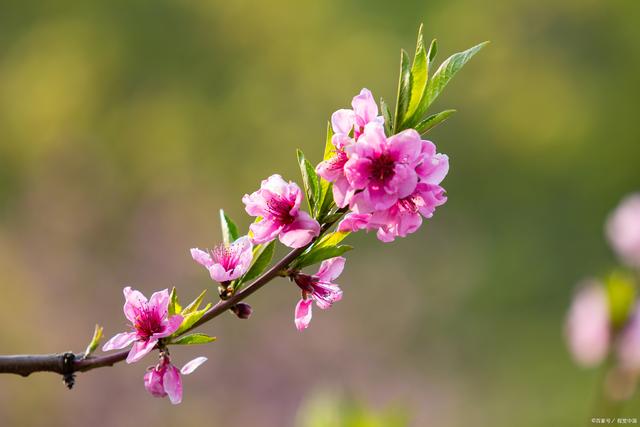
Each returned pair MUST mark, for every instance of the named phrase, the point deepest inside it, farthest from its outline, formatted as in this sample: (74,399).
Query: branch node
(68,377)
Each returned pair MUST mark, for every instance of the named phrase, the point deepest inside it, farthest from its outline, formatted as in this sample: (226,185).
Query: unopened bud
(242,310)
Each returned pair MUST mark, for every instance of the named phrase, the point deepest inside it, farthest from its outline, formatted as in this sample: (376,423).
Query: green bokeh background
(125,125)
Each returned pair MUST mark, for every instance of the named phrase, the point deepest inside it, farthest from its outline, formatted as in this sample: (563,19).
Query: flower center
(226,256)
(337,162)
(279,208)
(148,321)
(411,204)
(382,168)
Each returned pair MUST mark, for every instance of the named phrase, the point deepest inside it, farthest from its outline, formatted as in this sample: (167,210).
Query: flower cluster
(388,183)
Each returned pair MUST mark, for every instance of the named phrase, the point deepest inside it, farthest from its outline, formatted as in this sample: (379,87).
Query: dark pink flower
(226,263)
(318,288)
(278,204)
(365,110)
(149,321)
(382,170)
(165,379)
(332,170)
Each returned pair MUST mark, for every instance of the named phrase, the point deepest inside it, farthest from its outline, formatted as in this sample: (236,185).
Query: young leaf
(174,306)
(419,75)
(310,181)
(433,50)
(194,339)
(95,341)
(444,74)
(433,121)
(331,239)
(229,229)
(195,304)
(320,254)
(191,318)
(386,114)
(326,191)
(404,90)
(262,256)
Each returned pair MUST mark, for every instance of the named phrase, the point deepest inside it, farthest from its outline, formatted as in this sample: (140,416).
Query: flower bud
(242,310)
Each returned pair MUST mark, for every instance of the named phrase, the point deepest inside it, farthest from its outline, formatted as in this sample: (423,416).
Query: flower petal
(170,326)
(201,257)
(342,121)
(173,384)
(405,146)
(119,341)
(133,300)
(353,222)
(219,274)
(159,301)
(331,269)
(153,383)
(365,107)
(300,232)
(140,349)
(192,365)
(265,231)
(303,314)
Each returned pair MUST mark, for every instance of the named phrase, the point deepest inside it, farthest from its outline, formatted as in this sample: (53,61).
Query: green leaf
(191,318)
(194,339)
(433,121)
(262,255)
(320,254)
(433,50)
(621,295)
(419,75)
(386,114)
(404,90)
(310,181)
(331,239)
(325,196)
(195,304)
(174,306)
(95,341)
(444,74)
(229,229)
(326,189)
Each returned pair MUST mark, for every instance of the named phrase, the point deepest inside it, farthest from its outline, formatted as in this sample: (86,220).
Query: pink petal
(342,121)
(405,146)
(331,269)
(201,257)
(434,169)
(173,384)
(303,314)
(265,231)
(353,222)
(219,274)
(342,192)
(365,106)
(171,325)
(140,349)
(403,183)
(300,232)
(153,383)
(133,300)
(191,366)
(357,171)
(275,184)
(119,341)
(160,301)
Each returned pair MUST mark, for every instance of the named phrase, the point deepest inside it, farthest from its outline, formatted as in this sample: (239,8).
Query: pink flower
(623,230)
(365,110)
(318,288)
(587,328)
(332,170)
(148,319)
(226,263)
(278,204)
(628,346)
(164,379)
(383,169)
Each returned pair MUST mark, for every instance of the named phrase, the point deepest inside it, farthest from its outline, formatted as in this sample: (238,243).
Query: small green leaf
(433,121)
(621,295)
(325,196)
(386,114)
(174,305)
(195,304)
(191,318)
(194,339)
(229,229)
(445,73)
(95,341)
(331,239)
(262,255)
(310,181)
(419,75)
(404,90)
(433,50)
(332,217)
(326,190)
(320,254)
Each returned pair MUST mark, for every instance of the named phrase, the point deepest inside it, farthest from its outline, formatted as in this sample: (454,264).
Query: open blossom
(164,379)
(623,230)
(332,169)
(365,110)
(226,263)
(277,202)
(382,169)
(588,327)
(318,288)
(149,321)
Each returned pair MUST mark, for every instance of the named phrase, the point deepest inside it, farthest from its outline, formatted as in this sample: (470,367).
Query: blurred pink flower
(628,346)
(365,110)
(587,326)
(623,230)
(383,169)
(226,263)
(318,288)
(164,379)
(148,319)
(278,204)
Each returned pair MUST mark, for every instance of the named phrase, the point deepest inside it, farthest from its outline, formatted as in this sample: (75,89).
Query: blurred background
(126,125)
